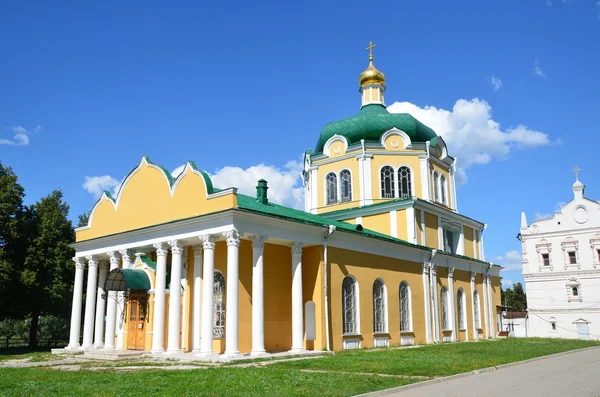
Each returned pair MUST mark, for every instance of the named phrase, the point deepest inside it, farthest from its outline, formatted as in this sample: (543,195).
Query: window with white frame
(387,182)
(461,308)
(436,186)
(574,290)
(218,305)
(476,309)
(544,249)
(546,259)
(331,188)
(552,323)
(379,306)
(443,189)
(444,308)
(572,257)
(404,184)
(405,321)
(570,247)
(450,241)
(346,185)
(350,305)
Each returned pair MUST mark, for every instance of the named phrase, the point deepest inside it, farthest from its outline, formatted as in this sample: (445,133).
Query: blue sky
(243,88)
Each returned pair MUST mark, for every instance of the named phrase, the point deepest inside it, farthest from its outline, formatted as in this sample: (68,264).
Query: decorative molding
(126,255)
(79,262)
(297,248)
(451,272)
(161,249)
(197,250)
(330,142)
(92,261)
(177,247)
(397,132)
(208,241)
(258,242)
(232,237)
(114,258)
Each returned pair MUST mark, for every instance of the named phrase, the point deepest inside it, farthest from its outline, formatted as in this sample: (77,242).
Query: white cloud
(285,185)
(507,284)
(496,83)
(175,173)
(537,70)
(511,261)
(472,135)
(541,215)
(19,138)
(95,185)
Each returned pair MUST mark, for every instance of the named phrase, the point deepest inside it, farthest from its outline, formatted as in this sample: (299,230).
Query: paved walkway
(573,374)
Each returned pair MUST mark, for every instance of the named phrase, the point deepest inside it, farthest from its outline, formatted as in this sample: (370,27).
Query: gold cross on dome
(370,48)
(576,171)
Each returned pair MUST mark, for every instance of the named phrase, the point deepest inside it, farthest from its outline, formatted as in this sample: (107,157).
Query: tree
(515,298)
(12,242)
(48,270)
(83,219)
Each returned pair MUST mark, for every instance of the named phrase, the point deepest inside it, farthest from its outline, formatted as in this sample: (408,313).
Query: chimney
(261,192)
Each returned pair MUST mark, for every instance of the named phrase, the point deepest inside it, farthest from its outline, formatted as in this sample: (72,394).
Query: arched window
(443,188)
(436,186)
(460,302)
(404,307)
(404,182)
(331,188)
(575,291)
(379,306)
(350,305)
(444,307)
(387,182)
(346,181)
(219,305)
(476,309)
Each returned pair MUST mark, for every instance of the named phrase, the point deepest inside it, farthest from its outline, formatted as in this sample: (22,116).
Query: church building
(379,257)
(561,269)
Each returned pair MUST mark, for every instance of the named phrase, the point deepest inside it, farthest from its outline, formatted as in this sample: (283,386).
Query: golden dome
(371,75)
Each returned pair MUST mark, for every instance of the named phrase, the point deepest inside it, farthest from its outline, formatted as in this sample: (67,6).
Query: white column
(453,186)
(461,241)
(76,307)
(111,306)
(491,308)
(473,305)
(184,302)
(434,301)
(485,306)
(451,304)
(297,315)
(427,290)
(206,346)
(126,256)
(232,302)
(90,303)
(258,303)
(158,328)
(175,298)
(425,184)
(100,305)
(197,298)
(411,228)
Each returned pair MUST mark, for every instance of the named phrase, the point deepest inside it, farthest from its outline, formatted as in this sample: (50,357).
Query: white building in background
(561,268)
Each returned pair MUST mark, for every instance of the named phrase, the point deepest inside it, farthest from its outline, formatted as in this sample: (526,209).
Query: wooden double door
(137,309)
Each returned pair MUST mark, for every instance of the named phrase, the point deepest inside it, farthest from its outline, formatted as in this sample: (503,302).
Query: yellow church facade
(379,257)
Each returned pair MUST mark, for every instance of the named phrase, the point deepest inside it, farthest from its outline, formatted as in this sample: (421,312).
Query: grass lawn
(288,378)
(441,360)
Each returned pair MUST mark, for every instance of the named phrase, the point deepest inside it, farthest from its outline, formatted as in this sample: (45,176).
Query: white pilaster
(451,304)
(394,223)
(90,304)
(173,345)
(232,313)
(453,186)
(297,315)
(76,307)
(473,305)
(423,234)
(126,256)
(411,225)
(491,315)
(461,241)
(158,328)
(100,305)
(111,306)
(197,299)
(425,184)
(206,343)
(434,301)
(366,181)
(314,191)
(485,306)
(427,289)
(258,306)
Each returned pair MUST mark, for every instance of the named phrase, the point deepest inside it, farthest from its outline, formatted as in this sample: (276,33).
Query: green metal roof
(125,279)
(370,123)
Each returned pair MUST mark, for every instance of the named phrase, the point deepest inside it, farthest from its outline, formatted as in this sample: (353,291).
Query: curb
(465,374)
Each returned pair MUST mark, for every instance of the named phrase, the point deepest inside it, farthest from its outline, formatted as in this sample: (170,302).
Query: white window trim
(409,296)
(570,245)
(574,283)
(385,309)
(445,302)
(357,304)
(595,246)
(544,247)
(436,184)
(394,182)
(412,180)
(337,181)
(463,306)
(340,200)
(476,310)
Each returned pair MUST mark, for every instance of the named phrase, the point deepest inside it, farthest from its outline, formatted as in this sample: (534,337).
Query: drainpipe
(330,231)
(362,166)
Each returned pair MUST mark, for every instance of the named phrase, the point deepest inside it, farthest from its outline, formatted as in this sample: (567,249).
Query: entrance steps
(112,355)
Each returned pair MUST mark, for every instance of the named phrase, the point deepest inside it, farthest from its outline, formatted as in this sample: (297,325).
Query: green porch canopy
(126,279)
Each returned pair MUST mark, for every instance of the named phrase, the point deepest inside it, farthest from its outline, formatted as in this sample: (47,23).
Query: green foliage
(515,298)
(82,220)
